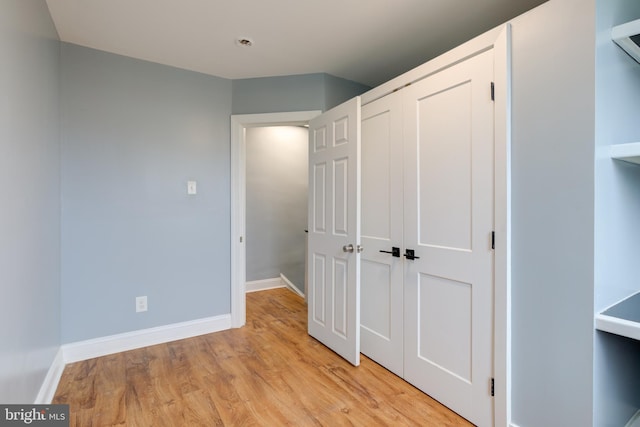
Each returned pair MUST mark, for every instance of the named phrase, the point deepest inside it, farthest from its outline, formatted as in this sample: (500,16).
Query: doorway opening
(277,160)
(241,129)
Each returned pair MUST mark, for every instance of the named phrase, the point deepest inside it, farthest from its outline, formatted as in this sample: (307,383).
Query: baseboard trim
(263,285)
(513,425)
(83,350)
(51,380)
(290,285)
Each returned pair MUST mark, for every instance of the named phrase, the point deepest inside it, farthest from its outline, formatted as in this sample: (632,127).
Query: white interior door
(448,223)
(334,230)
(381,302)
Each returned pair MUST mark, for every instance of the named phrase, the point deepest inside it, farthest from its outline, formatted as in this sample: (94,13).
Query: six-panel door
(334,230)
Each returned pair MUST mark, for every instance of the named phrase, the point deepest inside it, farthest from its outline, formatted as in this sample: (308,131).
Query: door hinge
(493,91)
(492,387)
(493,240)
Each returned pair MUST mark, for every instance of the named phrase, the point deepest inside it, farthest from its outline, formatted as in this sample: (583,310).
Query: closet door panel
(382,199)
(444,158)
(448,129)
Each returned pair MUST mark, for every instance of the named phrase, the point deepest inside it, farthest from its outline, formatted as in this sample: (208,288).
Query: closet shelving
(617,344)
(623,318)
(626,152)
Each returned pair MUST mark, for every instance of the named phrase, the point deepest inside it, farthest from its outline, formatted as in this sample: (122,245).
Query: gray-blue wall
(133,134)
(275,94)
(617,209)
(339,90)
(552,214)
(30,205)
(303,92)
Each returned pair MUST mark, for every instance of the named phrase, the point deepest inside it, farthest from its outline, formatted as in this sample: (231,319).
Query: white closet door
(334,230)
(381,272)
(448,223)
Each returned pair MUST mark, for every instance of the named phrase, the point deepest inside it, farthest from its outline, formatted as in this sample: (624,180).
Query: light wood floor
(269,373)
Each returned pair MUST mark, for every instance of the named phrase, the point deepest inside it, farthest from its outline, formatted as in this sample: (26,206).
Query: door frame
(239,124)
(498,39)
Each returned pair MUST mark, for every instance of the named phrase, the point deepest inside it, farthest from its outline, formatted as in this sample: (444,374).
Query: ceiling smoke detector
(244,42)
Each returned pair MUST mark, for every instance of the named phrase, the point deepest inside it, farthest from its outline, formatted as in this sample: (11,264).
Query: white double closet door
(413,171)
(427,186)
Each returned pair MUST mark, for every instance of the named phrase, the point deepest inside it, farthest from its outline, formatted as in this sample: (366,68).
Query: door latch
(395,252)
(410,254)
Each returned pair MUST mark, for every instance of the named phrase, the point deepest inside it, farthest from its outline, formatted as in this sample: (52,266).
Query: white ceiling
(368,41)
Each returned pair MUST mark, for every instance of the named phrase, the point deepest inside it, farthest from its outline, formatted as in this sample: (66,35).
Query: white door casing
(448,220)
(382,289)
(334,230)
(239,124)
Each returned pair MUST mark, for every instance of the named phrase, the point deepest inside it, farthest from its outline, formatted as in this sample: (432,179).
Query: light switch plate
(191,188)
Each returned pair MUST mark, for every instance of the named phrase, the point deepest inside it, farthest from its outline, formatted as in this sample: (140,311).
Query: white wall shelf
(634,421)
(626,152)
(622,318)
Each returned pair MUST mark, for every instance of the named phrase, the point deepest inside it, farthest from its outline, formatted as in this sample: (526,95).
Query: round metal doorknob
(347,248)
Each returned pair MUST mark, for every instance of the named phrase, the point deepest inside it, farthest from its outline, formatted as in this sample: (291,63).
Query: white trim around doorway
(239,124)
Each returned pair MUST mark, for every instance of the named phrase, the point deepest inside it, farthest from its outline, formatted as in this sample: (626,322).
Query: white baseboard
(263,285)
(290,285)
(51,380)
(513,425)
(89,349)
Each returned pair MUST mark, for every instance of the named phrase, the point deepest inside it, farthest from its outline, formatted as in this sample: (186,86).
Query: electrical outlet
(141,304)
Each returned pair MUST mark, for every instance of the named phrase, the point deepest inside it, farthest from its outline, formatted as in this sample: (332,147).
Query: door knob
(395,252)
(350,248)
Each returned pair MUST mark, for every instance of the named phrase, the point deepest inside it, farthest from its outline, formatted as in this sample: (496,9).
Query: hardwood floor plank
(268,373)
(111,385)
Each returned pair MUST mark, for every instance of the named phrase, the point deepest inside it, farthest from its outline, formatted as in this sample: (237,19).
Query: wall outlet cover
(141,304)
